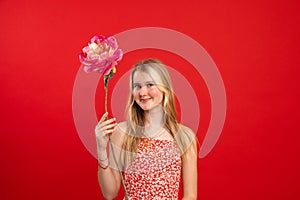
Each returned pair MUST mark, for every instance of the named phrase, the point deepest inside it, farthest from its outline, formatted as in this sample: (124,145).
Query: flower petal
(118,55)
(82,57)
(101,55)
(86,49)
(104,55)
(112,42)
(108,69)
(97,39)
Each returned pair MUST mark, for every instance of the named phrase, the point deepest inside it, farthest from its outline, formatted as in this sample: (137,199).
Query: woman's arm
(108,177)
(109,181)
(189,172)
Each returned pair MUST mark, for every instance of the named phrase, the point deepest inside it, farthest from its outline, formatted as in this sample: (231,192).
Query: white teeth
(146,99)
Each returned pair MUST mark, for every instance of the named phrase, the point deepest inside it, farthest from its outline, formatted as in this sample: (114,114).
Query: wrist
(103,163)
(102,155)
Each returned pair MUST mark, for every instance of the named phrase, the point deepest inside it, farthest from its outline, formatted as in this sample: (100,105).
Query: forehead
(140,77)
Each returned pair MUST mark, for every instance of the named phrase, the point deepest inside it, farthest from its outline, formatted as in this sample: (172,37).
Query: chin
(146,107)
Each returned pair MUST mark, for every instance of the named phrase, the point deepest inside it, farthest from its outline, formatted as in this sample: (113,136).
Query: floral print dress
(155,171)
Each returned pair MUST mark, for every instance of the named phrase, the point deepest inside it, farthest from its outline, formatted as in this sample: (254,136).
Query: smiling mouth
(145,100)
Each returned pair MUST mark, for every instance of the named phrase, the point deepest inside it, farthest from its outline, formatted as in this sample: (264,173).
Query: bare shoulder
(118,135)
(186,130)
(186,138)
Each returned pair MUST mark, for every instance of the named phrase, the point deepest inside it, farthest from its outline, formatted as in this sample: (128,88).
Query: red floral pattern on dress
(155,171)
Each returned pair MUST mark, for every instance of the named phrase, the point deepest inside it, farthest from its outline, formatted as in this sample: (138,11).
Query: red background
(254,44)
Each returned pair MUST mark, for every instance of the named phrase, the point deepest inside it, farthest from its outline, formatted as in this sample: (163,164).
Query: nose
(143,91)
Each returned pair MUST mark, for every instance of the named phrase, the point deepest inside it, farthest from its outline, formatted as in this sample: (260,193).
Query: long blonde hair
(135,114)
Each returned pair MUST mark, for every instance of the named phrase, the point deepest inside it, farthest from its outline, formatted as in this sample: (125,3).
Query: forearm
(108,183)
(107,178)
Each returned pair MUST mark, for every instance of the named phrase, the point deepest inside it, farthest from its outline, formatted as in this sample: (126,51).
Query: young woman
(151,148)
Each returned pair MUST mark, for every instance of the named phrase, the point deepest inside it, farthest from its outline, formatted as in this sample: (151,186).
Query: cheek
(135,95)
(156,93)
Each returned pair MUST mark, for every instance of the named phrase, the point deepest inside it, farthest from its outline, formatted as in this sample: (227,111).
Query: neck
(155,121)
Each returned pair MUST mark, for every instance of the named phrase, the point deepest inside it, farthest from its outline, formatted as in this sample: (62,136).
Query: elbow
(190,198)
(110,193)
(110,196)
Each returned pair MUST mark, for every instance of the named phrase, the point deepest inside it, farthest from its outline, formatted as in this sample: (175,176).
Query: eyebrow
(145,82)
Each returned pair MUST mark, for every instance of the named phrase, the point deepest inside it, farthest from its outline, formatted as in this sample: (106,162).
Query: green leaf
(107,77)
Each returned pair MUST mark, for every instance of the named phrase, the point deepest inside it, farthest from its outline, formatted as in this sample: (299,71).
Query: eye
(136,86)
(150,85)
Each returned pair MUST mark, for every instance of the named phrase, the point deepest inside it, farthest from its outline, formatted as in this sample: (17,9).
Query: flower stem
(105,99)
(111,145)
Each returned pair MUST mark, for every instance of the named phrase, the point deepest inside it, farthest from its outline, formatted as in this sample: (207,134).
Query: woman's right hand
(103,129)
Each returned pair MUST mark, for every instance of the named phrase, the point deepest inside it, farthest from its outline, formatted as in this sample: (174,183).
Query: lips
(145,100)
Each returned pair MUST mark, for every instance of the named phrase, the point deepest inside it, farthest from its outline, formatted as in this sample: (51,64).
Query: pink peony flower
(101,55)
